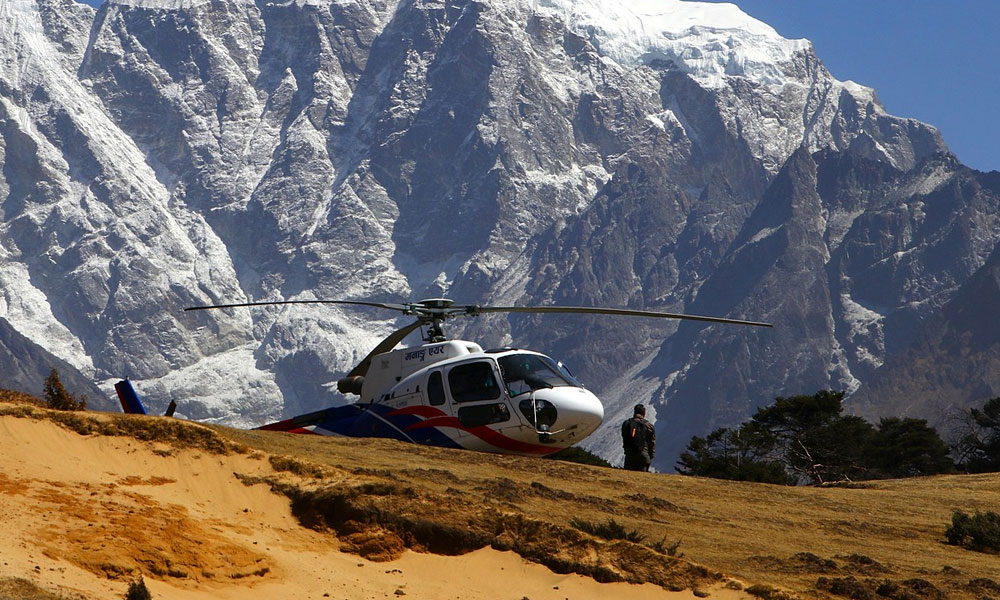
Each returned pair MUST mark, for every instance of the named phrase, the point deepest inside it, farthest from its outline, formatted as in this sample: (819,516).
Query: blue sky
(936,61)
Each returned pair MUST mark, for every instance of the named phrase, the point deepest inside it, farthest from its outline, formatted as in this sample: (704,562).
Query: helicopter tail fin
(129,399)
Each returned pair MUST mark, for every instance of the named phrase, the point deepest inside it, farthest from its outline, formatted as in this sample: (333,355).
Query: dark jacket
(638,436)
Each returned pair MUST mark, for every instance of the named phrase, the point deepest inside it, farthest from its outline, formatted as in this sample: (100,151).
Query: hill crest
(241,509)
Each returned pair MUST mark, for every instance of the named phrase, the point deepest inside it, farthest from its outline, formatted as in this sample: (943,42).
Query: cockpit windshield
(523,373)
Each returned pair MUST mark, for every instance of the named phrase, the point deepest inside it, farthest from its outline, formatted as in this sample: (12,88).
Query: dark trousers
(636,461)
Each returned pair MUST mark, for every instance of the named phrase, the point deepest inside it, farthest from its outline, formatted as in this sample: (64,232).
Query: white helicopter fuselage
(454,394)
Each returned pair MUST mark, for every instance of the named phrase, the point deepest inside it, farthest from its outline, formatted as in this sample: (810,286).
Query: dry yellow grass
(379,497)
(17,587)
(854,539)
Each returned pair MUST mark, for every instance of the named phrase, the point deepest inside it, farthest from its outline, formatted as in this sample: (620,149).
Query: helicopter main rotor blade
(611,311)
(398,307)
(384,346)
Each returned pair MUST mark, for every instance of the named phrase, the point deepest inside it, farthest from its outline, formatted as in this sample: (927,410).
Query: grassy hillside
(376,498)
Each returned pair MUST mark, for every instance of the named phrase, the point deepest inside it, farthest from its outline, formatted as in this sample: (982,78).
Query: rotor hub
(436,303)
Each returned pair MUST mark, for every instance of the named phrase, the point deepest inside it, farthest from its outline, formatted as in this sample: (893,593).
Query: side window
(473,381)
(435,389)
(483,414)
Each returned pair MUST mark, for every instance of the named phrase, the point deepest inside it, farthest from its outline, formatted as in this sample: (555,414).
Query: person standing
(639,440)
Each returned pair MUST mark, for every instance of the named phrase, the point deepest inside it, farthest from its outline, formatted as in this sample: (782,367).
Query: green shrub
(668,548)
(979,532)
(137,590)
(612,530)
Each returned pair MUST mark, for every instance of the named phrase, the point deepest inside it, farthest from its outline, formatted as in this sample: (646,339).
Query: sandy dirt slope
(216,513)
(84,515)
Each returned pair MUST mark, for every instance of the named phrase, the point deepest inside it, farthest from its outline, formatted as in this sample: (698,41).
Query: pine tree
(807,439)
(979,447)
(57,396)
(748,453)
(819,444)
(908,448)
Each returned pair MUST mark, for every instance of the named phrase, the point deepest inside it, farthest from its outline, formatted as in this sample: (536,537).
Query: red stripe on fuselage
(287,427)
(437,418)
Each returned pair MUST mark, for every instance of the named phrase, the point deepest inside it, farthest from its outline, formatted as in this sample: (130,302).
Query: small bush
(979,532)
(137,590)
(294,465)
(668,548)
(612,530)
(12,397)
(16,588)
(848,587)
(766,592)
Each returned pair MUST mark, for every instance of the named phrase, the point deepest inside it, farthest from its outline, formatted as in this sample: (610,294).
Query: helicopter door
(477,398)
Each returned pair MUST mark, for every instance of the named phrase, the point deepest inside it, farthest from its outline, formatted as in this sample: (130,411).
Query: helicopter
(455,394)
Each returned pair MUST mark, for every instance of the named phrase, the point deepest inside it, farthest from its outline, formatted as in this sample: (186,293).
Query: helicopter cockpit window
(435,389)
(473,381)
(568,375)
(523,373)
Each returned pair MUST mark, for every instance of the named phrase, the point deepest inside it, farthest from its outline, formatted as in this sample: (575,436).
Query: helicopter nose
(577,408)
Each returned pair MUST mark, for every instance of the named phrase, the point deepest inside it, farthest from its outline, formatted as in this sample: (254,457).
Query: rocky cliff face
(25,366)
(667,155)
(953,360)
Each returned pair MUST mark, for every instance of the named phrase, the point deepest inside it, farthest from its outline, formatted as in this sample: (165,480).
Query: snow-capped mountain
(653,154)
